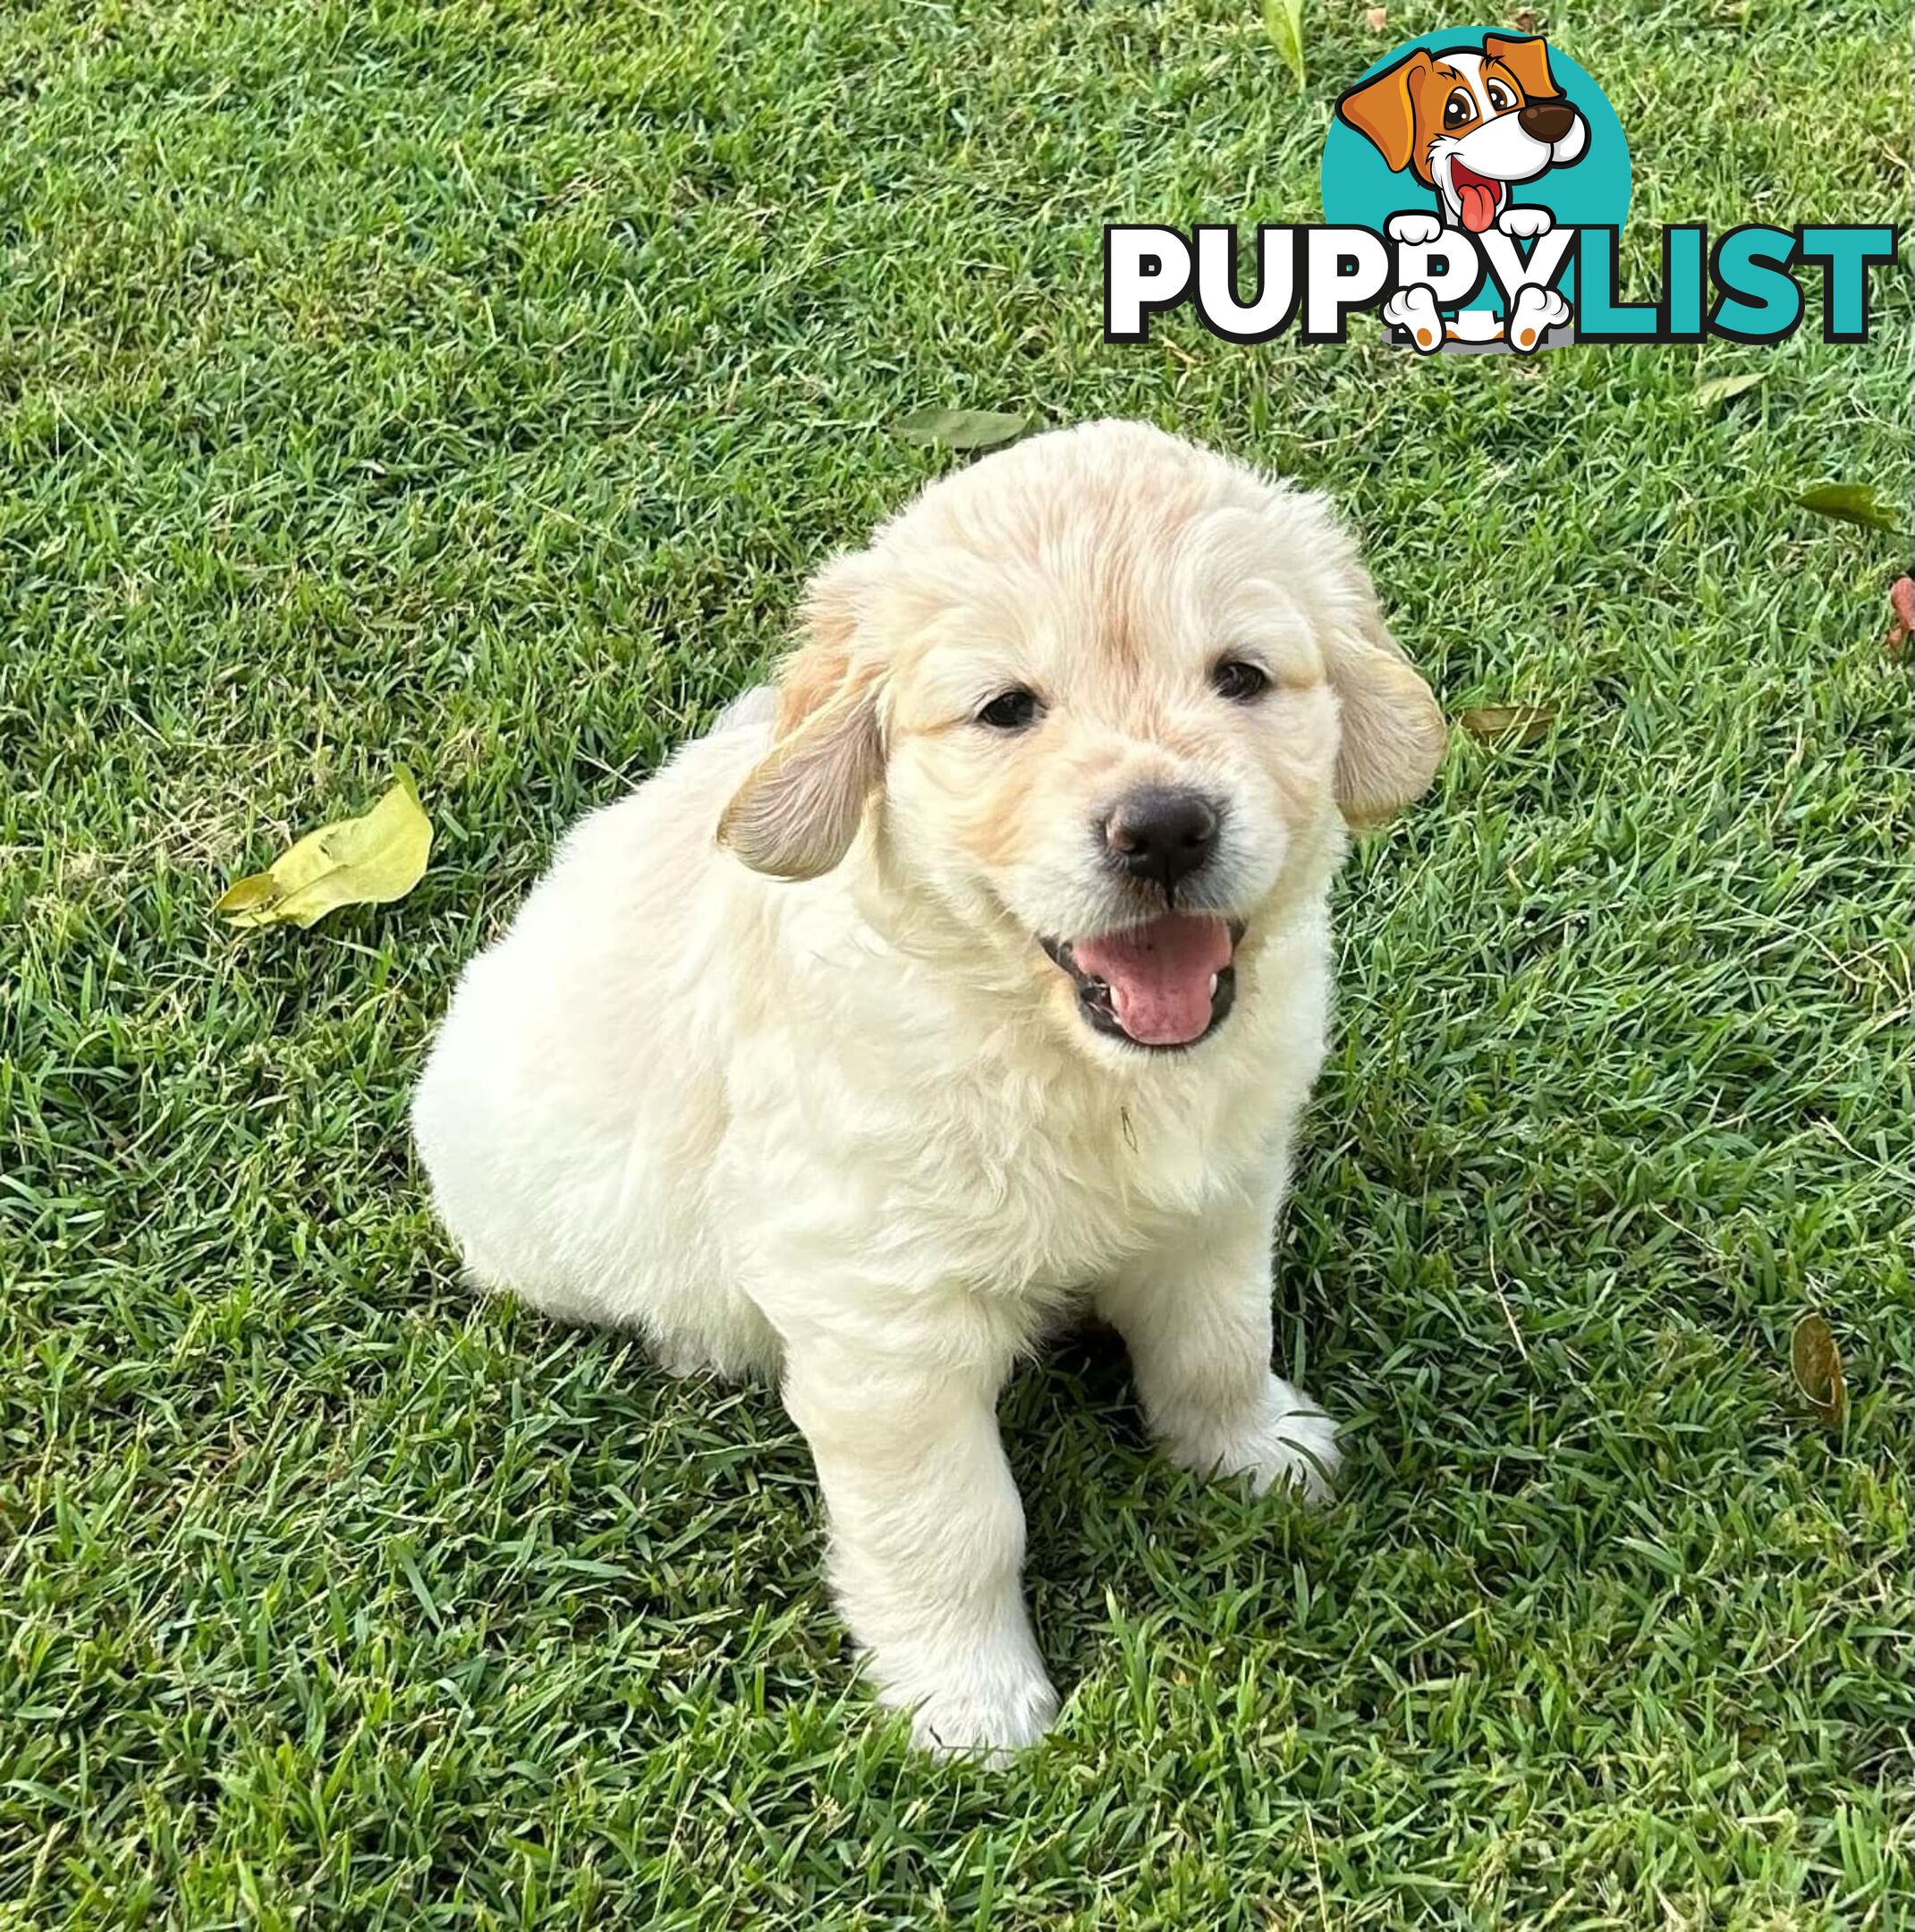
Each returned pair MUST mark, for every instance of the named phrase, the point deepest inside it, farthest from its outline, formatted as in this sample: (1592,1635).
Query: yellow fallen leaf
(1817,1364)
(368,861)
(1513,724)
(1727,388)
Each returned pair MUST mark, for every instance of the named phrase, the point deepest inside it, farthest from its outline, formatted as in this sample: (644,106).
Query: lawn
(471,386)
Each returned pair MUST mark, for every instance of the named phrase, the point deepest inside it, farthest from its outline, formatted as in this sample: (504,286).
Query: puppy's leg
(1195,1314)
(927,1539)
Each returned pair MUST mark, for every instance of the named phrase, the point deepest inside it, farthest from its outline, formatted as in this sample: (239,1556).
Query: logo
(1456,140)
(1475,189)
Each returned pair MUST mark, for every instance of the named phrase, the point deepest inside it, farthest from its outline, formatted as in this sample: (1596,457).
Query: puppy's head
(1104,703)
(1468,123)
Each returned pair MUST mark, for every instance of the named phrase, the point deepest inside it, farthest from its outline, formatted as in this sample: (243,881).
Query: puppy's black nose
(1547,120)
(1162,834)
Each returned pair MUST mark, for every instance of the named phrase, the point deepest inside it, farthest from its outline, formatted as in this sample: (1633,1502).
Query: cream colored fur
(813,1103)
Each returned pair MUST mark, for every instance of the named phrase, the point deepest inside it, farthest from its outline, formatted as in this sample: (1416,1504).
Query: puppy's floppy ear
(799,808)
(1528,60)
(1382,110)
(1393,731)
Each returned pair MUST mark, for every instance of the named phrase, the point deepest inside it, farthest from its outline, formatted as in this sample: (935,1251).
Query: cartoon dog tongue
(1159,975)
(1477,193)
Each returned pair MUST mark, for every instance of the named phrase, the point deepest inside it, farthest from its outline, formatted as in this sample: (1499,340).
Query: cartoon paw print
(1536,310)
(1413,230)
(1415,309)
(1524,223)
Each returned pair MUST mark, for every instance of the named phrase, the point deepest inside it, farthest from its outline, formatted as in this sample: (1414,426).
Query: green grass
(472,384)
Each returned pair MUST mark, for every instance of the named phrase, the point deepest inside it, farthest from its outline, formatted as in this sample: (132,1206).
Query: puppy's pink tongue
(1478,199)
(1159,975)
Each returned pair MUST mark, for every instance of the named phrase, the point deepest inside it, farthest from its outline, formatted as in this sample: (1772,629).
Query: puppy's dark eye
(1457,109)
(1238,680)
(1500,97)
(1010,711)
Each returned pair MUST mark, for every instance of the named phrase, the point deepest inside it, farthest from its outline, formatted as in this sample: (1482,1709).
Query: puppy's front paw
(1536,312)
(1298,1450)
(1413,229)
(987,1705)
(1414,310)
(992,1726)
(1524,222)
(1288,1440)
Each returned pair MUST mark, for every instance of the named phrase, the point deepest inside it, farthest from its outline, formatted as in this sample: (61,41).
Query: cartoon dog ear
(1528,60)
(800,806)
(1392,730)
(1382,110)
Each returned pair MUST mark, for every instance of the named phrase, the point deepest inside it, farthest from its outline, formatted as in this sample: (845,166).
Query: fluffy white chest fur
(676,1087)
(1005,985)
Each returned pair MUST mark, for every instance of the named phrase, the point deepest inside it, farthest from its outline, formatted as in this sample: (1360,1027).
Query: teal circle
(1359,191)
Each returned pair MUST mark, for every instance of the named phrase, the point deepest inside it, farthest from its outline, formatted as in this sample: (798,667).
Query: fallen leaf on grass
(1508,724)
(1283,21)
(1852,503)
(1901,618)
(961,428)
(1376,18)
(370,860)
(1525,20)
(1817,1364)
(1720,389)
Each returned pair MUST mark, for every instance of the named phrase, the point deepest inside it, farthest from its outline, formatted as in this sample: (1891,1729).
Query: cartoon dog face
(1470,123)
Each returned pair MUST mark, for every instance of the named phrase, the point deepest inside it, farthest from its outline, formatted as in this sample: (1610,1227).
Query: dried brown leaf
(1817,1364)
(1901,616)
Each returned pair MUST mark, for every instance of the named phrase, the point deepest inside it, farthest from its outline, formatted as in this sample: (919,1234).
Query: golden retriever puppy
(980,968)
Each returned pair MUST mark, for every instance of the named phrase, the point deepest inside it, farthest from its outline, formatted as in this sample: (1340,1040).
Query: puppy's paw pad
(1524,222)
(1413,229)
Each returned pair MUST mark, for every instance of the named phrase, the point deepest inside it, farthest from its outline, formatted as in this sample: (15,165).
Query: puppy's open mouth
(1162,986)
(1477,196)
